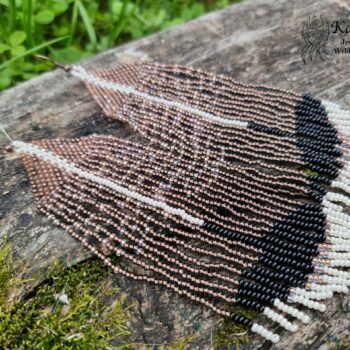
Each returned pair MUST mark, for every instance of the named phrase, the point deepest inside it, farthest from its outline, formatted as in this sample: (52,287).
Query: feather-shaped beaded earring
(224,177)
(163,207)
(183,108)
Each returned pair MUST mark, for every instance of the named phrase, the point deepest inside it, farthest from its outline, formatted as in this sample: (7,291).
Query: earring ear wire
(9,148)
(46,60)
(6,134)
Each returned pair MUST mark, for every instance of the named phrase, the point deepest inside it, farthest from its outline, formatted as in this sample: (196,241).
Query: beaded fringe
(239,198)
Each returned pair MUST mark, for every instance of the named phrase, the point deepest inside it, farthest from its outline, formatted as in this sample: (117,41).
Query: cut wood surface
(257,41)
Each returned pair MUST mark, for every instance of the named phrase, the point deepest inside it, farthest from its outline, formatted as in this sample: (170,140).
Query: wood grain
(255,41)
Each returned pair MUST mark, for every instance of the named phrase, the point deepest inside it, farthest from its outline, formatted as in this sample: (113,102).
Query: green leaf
(27,76)
(12,15)
(61,31)
(92,9)
(193,11)
(33,66)
(4,47)
(18,50)
(68,55)
(73,23)
(17,38)
(4,82)
(87,22)
(44,17)
(5,79)
(27,20)
(123,19)
(59,7)
(172,23)
(117,7)
(160,18)
(121,7)
(31,51)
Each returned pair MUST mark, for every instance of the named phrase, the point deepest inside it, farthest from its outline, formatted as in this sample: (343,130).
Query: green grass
(70,30)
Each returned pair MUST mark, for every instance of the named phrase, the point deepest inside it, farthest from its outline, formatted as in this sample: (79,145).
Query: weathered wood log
(256,41)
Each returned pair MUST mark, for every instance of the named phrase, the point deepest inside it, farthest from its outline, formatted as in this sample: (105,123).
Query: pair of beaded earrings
(238,198)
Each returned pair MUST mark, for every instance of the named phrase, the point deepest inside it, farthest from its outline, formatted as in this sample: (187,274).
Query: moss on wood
(70,310)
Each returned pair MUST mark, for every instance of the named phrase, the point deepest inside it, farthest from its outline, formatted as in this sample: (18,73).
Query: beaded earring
(223,177)
(187,110)
(182,109)
(169,217)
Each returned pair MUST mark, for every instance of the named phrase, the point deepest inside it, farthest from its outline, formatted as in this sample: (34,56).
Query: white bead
(62,163)
(291,311)
(336,280)
(335,255)
(335,272)
(256,328)
(309,303)
(313,295)
(79,72)
(279,319)
(340,263)
(341,247)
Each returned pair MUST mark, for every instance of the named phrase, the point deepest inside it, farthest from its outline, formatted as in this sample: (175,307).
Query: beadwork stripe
(81,73)
(69,167)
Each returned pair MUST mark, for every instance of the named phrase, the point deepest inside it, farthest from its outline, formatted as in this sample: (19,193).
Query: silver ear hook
(5,133)
(46,60)
(9,148)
